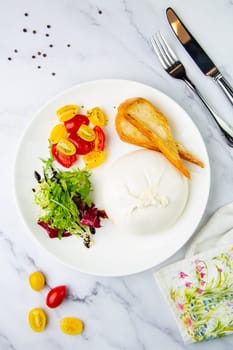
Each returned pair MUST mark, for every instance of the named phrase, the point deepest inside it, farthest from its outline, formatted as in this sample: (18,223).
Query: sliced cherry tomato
(56,296)
(97,116)
(58,132)
(67,112)
(73,124)
(61,158)
(86,133)
(66,147)
(100,138)
(82,146)
(37,319)
(94,159)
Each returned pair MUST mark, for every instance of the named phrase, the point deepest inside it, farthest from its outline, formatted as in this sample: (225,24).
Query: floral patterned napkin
(199,289)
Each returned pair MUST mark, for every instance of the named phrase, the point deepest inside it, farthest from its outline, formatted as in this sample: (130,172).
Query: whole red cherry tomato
(56,296)
(72,125)
(63,159)
(100,138)
(82,146)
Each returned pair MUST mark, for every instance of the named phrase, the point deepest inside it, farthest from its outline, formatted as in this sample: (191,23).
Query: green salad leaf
(57,194)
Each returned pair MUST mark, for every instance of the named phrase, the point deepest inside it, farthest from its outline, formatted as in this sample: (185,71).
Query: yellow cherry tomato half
(86,133)
(37,281)
(71,325)
(94,159)
(97,116)
(66,147)
(57,133)
(37,319)
(67,112)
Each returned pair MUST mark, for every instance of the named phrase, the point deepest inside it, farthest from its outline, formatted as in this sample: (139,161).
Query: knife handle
(226,129)
(225,86)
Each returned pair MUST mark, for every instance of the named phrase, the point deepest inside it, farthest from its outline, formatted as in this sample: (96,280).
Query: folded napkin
(199,288)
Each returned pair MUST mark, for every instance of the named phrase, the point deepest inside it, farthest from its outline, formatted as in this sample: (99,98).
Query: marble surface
(108,39)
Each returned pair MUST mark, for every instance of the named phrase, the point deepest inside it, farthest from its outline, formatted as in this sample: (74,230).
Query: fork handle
(226,129)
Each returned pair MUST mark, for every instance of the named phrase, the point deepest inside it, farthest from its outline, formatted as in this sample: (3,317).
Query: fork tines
(165,54)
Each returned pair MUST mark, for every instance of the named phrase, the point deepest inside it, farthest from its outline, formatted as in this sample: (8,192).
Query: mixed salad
(64,196)
(64,199)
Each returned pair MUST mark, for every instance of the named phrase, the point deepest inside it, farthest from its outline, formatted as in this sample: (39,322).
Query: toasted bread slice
(166,146)
(129,133)
(148,121)
(187,155)
(148,114)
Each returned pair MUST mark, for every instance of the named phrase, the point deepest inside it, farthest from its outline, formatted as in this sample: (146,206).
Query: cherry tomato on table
(82,146)
(71,325)
(56,296)
(74,124)
(63,159)
(37,280)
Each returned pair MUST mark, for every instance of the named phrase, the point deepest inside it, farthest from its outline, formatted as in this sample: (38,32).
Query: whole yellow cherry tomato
(71,325)
(97,116)
(58,132)
(37,319)
(86,133)
(66,147)
(94,159)
(37,281)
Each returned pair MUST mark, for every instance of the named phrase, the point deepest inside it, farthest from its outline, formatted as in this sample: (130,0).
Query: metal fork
(175,68)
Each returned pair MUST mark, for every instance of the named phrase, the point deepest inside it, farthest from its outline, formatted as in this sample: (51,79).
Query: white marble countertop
(108,39)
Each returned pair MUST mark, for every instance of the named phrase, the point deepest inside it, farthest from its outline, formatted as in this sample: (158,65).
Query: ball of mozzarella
(144,193)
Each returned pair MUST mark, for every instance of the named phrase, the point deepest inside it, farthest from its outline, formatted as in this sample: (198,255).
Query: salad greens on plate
(64,199)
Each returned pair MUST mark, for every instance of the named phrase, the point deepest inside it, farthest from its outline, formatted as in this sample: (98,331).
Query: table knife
(199,56)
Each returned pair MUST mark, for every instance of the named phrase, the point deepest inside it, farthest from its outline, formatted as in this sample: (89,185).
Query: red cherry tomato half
(72,125)
(100,138)
(56,296)
(82,146)
(63,159)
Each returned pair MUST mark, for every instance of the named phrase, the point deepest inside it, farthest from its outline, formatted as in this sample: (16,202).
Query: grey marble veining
(108,39)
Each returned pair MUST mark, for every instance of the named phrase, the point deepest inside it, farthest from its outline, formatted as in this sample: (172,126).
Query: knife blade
(197,53)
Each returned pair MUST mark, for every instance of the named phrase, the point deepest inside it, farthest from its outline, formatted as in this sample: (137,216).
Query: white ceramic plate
(115,253)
